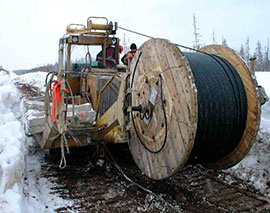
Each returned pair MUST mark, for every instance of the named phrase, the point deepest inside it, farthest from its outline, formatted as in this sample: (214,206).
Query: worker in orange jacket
(128,57)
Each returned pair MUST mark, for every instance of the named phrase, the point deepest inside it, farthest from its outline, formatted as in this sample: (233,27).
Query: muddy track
(94,185)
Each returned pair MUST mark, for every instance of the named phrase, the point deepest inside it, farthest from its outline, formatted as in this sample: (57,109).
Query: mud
(95,185)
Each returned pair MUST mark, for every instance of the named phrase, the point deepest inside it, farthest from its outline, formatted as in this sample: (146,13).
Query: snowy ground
(21,189)
(255,167)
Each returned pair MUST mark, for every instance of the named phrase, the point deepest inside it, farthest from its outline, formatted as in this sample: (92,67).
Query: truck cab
(85,87)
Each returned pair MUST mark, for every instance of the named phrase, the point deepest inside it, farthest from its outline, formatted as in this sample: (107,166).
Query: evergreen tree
(259,57)
(242,52)
(224,41)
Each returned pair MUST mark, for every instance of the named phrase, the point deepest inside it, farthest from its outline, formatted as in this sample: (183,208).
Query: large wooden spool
(162,145)
(154,58)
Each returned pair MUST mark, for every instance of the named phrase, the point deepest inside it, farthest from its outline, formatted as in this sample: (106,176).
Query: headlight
(75,39)
(114,41)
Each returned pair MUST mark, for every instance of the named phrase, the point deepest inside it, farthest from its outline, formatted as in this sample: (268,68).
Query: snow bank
(255,167)
(11,147)
(22,189)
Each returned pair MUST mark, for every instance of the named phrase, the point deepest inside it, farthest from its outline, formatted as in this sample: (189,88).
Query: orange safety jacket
(127,57)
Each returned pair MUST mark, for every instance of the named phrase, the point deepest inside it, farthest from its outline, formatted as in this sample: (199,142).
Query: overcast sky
(30,29)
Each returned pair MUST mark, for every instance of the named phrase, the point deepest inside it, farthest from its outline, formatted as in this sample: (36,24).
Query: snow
(255,167)
(22,189)
(11,147)
(263,79)
(36,79)
(38,193)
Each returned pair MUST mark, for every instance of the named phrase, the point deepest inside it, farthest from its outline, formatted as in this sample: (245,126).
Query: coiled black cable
(222,106)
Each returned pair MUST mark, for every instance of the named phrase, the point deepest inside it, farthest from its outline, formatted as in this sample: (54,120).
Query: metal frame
(109,126)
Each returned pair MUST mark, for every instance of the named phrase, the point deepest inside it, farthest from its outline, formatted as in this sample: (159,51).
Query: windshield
(82,56)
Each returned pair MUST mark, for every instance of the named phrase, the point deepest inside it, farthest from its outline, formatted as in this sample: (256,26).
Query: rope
(72,96)
(47,106)
(63,162)
(111,159)
(132,31)
(90,60)
(66,141)
(47,76)
(151,37)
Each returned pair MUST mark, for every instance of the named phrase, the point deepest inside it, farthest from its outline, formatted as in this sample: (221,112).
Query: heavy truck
(170,106)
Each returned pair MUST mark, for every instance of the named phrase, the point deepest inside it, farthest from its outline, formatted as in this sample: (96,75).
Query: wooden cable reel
(163,131)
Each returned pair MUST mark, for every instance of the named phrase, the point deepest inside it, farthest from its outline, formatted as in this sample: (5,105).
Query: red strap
(67,90)
(56,95)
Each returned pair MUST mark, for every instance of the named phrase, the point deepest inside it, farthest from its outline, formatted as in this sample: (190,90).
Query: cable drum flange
(161,145)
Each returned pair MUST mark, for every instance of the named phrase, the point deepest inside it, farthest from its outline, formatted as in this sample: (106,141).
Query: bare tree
(125,44)
(266,59)
(247,50)
(197,36)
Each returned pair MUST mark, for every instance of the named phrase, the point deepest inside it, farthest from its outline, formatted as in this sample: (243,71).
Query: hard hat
(133,46)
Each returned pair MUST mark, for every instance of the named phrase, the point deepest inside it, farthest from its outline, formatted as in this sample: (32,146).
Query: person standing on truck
(110,56)
(128,57)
